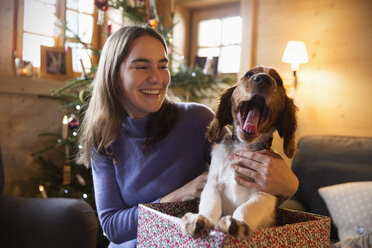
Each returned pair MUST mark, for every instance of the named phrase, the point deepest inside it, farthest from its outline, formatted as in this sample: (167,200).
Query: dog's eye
(248,74)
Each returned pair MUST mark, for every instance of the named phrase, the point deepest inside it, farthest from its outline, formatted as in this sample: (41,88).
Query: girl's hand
(191,190)
(265,171)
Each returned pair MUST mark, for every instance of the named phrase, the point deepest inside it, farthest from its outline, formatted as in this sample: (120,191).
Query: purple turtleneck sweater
(143,178)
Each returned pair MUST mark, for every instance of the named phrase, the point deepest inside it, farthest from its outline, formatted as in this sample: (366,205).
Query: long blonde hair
(105,113)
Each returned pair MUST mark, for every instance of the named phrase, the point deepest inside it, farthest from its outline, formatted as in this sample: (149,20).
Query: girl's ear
(286,125)
(223,116)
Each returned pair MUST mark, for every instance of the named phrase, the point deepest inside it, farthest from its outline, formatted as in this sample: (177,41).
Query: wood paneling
(334,87)
(25,112)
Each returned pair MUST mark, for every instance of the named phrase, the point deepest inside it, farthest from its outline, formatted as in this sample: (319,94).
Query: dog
(256,106)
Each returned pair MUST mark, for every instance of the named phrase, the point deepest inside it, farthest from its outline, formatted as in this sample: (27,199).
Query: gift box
(159,226)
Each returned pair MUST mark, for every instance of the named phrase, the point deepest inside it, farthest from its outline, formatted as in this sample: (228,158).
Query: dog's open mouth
(253,113)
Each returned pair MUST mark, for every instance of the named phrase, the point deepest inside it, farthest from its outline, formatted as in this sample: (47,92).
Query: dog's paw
(194,223)
(234,227)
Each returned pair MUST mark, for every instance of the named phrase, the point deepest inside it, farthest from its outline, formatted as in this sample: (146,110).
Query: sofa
(325,166)
(38,222)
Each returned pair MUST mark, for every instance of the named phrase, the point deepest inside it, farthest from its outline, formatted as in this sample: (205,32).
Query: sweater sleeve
(118,221)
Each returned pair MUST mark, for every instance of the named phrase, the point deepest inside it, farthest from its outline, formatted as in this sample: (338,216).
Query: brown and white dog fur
(256,107)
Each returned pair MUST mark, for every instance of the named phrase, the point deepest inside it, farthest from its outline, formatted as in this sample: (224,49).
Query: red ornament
(101,4)
(109,28)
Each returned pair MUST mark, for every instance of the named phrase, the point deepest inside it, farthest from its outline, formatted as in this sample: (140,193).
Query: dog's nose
(262,80)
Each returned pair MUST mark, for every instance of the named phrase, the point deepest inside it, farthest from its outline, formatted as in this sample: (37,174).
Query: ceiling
(202,3)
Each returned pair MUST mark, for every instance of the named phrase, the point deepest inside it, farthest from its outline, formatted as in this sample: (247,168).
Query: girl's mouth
(150,92)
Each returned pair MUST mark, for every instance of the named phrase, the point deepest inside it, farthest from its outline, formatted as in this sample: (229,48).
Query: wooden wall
(25,111)
(335,86)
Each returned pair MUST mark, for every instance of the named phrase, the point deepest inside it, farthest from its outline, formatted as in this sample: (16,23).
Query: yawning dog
(256,106)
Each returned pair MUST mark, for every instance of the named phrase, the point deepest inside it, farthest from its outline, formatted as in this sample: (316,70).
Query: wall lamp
(295,53)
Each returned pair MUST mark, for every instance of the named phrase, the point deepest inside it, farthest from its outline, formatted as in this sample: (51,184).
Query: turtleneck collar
(135,127)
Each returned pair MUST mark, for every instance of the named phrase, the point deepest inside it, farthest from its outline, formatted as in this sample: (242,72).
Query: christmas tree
(62,177)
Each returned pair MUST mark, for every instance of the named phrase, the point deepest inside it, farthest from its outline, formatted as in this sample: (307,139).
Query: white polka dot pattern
(350,206)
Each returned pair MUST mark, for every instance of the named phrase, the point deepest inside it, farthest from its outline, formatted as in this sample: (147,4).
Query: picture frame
(55,63)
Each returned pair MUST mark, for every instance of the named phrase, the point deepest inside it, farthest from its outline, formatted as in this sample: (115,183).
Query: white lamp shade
(295,54)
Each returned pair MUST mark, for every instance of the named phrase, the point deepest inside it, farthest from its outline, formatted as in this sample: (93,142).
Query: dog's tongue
(251,122)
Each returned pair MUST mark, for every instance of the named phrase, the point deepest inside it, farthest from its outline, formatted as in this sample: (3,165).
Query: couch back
(328,160)
(1,173)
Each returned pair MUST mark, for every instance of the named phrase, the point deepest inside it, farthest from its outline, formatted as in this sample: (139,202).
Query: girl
(143,147)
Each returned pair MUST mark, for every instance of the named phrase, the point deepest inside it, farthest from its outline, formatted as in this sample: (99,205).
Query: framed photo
(55,63)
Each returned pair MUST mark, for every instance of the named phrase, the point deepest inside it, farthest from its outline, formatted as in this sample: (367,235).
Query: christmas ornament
(153,23)
(108,28)
(102,6)
(101,17)
(73,122)
(67,48)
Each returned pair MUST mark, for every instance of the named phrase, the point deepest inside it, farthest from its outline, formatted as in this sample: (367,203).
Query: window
(79,19)
(222,38)
(38,25)
(217,31)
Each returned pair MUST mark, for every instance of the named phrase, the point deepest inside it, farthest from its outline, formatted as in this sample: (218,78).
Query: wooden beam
(28,86)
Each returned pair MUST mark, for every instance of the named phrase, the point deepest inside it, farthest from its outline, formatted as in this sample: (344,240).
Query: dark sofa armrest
(53,222)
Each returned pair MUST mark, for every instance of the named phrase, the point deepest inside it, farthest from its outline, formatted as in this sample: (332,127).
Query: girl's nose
(155,76)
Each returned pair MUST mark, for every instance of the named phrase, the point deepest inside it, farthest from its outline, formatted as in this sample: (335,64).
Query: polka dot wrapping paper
(159,226)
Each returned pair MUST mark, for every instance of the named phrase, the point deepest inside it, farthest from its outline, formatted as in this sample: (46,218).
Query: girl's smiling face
(144,77)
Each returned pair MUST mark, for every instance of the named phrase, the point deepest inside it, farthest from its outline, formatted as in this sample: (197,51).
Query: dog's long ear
(223,116)
(286,125)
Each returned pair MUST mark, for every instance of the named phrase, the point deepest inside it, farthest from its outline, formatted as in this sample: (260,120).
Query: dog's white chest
(232,194)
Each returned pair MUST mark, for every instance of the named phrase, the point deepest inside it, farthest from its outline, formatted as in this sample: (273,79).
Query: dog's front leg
(210,203)
(258,211)
(209,211)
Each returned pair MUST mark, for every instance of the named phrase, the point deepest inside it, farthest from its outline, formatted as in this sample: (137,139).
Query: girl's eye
(141,67)
(164,67)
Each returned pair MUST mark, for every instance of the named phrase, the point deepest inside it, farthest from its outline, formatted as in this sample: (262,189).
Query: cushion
(364,241)
(350,206)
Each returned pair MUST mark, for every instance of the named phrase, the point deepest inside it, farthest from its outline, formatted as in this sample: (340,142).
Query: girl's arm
(118,221)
